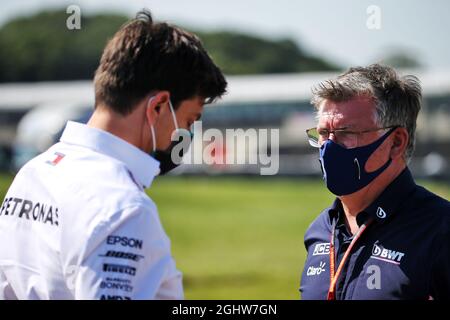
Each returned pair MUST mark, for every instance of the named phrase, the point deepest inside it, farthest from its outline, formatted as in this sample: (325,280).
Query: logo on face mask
(343,169)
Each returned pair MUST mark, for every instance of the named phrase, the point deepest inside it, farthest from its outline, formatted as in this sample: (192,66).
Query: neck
(118,125)
(356,202)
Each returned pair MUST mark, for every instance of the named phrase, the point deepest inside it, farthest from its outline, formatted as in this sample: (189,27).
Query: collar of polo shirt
(385,205)
(142,166)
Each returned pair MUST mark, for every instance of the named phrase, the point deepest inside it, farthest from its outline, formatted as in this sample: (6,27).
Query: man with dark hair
(76,222)
(384,237)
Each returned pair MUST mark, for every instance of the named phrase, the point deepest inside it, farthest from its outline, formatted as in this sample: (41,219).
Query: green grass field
(236,238)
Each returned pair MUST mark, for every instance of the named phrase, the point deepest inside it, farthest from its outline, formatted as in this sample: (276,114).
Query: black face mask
(176,149)
(166,163)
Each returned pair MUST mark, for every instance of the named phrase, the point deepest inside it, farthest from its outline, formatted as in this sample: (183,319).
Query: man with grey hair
(384,237)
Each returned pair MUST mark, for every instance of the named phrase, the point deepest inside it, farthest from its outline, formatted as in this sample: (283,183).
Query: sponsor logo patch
(30,210)
(315,271)
(321,248)
(116,284)
(57,158)
(387,255)
(118,268)
(111,297)
(381,213)
(122,255)
(124,242)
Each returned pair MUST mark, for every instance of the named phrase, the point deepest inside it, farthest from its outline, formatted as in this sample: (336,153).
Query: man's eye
(323,133)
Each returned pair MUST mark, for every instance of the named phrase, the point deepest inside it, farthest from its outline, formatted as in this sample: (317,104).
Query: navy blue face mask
(343,169)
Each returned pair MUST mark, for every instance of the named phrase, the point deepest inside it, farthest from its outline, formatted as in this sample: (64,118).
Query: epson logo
(321,248)
(119,269)
(124,241)
(386,255)
(122,255)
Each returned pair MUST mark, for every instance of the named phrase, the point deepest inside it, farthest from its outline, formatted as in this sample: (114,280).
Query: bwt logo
(321,248)
(387,255)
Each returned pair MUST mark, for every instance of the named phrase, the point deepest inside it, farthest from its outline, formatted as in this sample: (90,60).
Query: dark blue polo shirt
(403,254)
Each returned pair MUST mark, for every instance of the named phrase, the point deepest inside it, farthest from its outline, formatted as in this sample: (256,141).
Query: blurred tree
(401,59)
(41,47)
(239,53)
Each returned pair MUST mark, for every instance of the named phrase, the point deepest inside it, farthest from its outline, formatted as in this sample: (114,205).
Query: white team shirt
(77,224)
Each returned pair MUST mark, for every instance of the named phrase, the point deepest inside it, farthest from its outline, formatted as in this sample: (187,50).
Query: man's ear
(155,104)
(400,140)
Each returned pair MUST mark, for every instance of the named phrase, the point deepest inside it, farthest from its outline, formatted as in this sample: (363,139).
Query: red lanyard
(334,276)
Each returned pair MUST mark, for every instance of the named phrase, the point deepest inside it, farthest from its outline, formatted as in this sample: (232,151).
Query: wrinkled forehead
(355,113)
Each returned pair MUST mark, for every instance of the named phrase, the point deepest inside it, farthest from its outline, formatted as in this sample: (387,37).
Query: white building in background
(32,116)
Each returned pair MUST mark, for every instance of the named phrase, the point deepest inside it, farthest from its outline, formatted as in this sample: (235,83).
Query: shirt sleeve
(132,261)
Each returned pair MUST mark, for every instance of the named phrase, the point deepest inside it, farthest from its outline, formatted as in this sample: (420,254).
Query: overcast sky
(333,29)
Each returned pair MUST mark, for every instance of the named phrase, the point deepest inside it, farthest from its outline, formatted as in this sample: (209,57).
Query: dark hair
(144,56)
(398,99)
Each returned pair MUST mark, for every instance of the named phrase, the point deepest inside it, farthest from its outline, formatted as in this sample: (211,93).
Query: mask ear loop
(173,115)
(152,129)
(153,138)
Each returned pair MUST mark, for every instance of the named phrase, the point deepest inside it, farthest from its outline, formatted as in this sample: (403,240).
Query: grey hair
(398,100)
